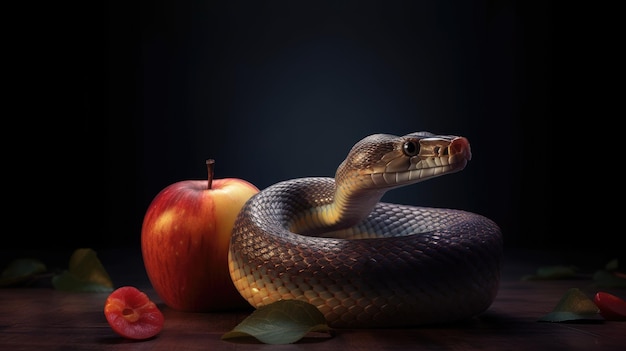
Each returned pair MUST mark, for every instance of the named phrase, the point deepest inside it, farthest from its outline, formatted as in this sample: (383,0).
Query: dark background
(127,98)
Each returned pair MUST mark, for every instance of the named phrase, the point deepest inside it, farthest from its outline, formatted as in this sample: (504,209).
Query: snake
(363,262)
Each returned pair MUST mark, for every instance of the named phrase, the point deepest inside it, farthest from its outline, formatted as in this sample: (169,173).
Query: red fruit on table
(611,307)
(132,314)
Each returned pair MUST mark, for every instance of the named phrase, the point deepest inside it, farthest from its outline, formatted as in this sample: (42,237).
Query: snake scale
(362,262)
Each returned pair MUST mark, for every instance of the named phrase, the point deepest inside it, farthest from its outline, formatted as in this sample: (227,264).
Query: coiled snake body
(365,263)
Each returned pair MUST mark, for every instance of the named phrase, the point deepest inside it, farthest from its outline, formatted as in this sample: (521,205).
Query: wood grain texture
(45,319)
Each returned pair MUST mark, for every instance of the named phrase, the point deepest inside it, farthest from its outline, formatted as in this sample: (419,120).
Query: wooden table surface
(40,318)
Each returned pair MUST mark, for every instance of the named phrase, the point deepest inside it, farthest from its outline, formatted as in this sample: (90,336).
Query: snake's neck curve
(346,209)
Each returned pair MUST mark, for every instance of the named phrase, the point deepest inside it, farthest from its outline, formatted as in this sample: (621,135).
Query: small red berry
(132,314)
(611,307)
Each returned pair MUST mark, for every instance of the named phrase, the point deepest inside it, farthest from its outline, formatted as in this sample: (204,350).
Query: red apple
(184,242)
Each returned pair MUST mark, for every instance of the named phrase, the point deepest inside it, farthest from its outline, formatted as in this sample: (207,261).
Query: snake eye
(410,148)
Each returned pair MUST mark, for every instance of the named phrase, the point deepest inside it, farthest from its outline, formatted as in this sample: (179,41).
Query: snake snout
(460,145)
(445,146)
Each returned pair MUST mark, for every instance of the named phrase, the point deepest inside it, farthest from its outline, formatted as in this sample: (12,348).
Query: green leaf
(552,272)
(85,273)
(281,322)
(573,306)
(612,265)
(68,282)
(21,270)
(607,279)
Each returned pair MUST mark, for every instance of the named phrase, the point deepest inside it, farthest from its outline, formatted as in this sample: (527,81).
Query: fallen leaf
(85,273)
(573,306)
(552,272)
(612,265)
(610,276)
(281,322)
(21,270)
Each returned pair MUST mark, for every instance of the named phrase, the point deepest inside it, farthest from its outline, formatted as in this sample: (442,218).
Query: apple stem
(210,164)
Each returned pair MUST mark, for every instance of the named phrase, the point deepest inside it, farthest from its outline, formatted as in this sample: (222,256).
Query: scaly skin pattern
(364,263)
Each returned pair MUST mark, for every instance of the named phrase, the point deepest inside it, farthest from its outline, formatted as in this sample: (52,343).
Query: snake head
(385,161)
